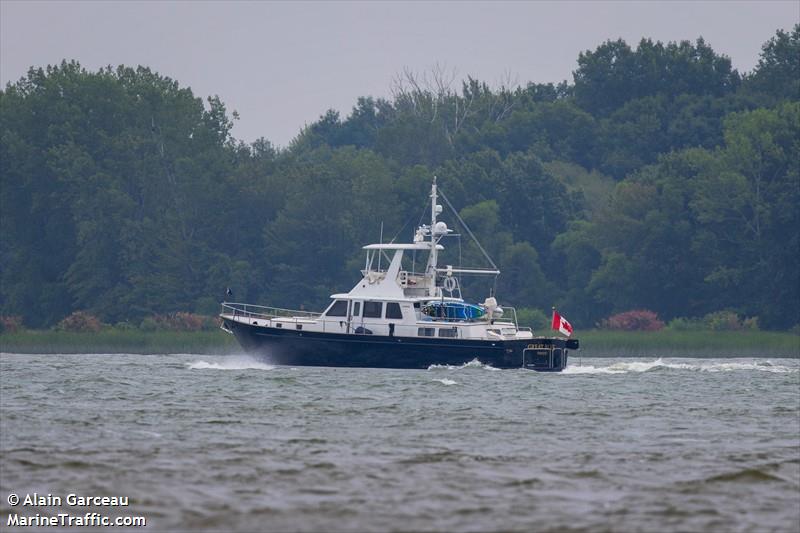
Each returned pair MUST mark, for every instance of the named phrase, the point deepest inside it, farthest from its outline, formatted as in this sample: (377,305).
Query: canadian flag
(560,324)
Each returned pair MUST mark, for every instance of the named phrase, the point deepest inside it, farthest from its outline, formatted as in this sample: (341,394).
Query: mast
(433,257)
(434,198)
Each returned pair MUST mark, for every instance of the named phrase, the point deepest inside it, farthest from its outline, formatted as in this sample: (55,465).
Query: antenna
(433,204)
(432,259)
(380,251)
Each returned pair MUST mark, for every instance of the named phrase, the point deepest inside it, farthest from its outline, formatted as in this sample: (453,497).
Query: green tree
(615,73)
(778,69)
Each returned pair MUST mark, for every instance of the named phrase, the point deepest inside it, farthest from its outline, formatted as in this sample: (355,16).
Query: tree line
(660,178)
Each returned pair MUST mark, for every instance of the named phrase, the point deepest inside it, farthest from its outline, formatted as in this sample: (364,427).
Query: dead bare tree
(430,95)
(504,101)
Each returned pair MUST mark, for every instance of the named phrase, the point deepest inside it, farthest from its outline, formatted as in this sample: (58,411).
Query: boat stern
(547,354)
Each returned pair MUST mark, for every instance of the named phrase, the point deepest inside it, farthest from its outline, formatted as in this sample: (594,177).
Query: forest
(660,178)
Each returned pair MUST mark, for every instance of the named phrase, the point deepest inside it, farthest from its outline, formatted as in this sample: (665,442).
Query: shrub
(636,320)
(180,321)
(686,324)
(727,320)
(80,321)
(722,321)
(148,324)
(750,324)
(10,324)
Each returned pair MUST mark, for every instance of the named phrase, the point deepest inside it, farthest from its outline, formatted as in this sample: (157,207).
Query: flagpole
(560,330)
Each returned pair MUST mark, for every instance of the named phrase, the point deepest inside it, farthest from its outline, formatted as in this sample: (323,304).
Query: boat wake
(445,381)
(659,364)
(472,365)
(232,363)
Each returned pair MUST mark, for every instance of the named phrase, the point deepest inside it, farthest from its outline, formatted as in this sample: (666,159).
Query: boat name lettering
(537,346)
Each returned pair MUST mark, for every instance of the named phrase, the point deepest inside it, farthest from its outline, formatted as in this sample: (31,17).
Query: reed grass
(670,343)
(118,341)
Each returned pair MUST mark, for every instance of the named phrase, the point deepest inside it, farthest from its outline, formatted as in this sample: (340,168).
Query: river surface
(229,443)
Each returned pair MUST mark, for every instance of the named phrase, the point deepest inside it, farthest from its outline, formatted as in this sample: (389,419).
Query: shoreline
(119,342)
(594,343)
(667,343)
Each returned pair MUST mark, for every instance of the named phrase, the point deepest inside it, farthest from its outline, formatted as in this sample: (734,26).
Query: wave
(473,365)
(747,475)
(237,363)
(445,381)
(625,367)
(763,366)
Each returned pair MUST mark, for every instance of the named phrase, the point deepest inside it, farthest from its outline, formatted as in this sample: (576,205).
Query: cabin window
(339,308)
(393,310)
(448,332)
(373,309)
(426,332)
(356,308)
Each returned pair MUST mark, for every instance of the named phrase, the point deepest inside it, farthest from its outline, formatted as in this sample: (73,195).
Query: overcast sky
(281,65)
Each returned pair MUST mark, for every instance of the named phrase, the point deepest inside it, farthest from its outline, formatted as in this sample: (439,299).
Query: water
(232,443)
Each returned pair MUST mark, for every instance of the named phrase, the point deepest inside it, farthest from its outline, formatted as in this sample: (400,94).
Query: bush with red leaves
(10,324)
(80,321)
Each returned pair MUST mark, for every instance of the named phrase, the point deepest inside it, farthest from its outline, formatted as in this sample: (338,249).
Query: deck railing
(262,312)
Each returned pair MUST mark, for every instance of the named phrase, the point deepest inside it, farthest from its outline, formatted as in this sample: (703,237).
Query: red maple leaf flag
(560,324)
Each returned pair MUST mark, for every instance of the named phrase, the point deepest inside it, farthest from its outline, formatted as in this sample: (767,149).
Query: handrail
(260,311)
(516,325)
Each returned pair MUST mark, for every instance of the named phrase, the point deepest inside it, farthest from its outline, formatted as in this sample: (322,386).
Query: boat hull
(309,348)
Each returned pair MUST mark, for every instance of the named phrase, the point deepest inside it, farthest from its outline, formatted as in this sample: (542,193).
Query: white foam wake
(474,364)
(761,366)
(625,367)
(445,381)
(231,363)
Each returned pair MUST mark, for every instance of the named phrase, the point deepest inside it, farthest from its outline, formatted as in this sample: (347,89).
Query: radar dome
(440,228)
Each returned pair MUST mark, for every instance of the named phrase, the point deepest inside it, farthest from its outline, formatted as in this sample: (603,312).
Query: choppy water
(231,443)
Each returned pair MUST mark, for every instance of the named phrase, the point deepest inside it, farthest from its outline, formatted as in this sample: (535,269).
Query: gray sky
(281,65)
